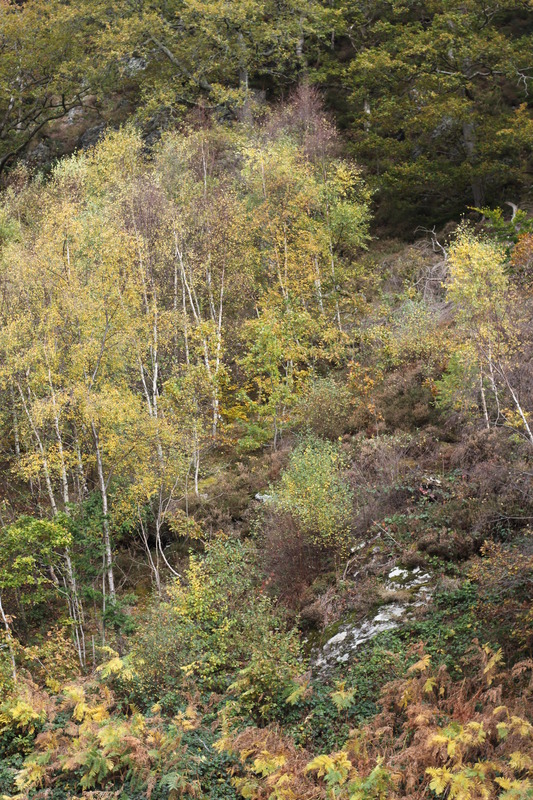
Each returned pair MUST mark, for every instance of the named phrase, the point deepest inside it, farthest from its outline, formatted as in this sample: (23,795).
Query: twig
(387,533)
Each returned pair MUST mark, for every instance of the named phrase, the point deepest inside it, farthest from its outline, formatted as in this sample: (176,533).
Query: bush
(326,409)
(213,624)
(313,490)
(289,559)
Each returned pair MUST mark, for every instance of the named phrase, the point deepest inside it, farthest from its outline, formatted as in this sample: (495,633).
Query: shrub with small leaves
(313,490)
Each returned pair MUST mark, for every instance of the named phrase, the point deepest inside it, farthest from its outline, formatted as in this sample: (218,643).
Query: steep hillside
(266,376)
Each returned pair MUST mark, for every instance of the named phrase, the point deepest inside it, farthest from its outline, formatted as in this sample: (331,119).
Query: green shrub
(313,490)
(326,408)
(213,624)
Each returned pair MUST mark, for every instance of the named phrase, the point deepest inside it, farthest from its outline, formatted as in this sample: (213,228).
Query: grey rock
(340,648)
(263,498)
(92,136)
(39,155)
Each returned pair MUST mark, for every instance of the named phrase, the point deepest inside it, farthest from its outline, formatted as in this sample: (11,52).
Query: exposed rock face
(340,648)
(39,156)
(92,136)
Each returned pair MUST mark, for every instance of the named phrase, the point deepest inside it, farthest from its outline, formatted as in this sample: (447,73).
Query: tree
(430,95)
(309,221)
(210,241)
(47,67)
(310,217)
(65,342)
(489,328)
(154,305)
(34,567)
(213,54)
(313,490)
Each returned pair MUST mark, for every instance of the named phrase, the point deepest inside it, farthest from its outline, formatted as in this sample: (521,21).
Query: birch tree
(488,323)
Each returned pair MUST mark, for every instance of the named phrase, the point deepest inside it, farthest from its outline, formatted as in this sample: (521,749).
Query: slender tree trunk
(159,545)
(40,446)
(185,325)
(195,308)
(153,565)
(76,606)
(493,385)
(243,76)
(367,112)
(196,467)
(519,408)
(483,400)
(73,599)
(83,490)
(332,254)
(300,44)
(108,553)
(15,422)
(318,284)
(64,479)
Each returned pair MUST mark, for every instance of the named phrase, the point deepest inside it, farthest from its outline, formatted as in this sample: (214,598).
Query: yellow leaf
(421,665)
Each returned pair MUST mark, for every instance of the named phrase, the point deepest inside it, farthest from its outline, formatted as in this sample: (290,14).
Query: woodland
(266,399)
